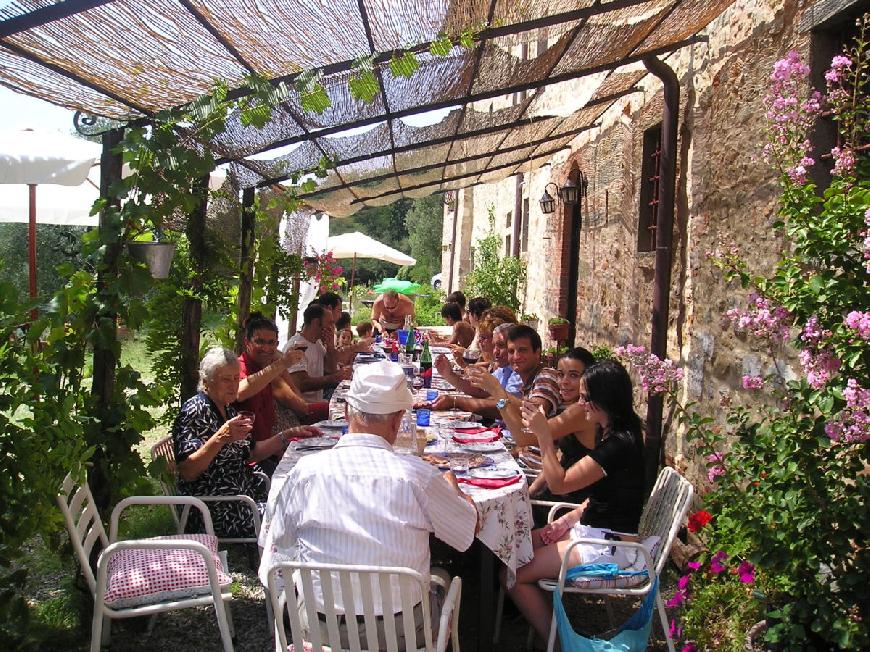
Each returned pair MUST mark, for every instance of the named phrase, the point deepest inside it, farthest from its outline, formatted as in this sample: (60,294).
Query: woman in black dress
(614,473)
(213,451)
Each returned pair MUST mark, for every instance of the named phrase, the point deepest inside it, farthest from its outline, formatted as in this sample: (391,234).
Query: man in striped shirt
(362,503)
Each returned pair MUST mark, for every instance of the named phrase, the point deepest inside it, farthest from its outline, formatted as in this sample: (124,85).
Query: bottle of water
(405,440)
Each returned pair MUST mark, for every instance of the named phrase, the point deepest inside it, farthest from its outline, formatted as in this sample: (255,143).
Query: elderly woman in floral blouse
(213,450)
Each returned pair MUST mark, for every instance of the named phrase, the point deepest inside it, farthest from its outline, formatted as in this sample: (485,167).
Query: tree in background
(424,223)
(54,245)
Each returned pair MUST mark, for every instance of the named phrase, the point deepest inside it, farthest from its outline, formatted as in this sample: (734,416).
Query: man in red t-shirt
(258,367)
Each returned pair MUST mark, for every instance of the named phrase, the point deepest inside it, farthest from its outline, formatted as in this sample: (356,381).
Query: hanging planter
(156,255)
(558,329)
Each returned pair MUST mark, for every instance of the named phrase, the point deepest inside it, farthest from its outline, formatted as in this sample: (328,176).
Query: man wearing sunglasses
(389,311)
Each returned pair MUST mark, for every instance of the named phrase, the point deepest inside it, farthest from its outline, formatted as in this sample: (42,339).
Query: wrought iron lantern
(570,194)
(449,198)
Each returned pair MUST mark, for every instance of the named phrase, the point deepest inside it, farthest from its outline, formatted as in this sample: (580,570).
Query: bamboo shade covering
(473,116)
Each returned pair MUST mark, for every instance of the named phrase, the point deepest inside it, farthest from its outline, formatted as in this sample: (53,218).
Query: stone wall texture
(724,194)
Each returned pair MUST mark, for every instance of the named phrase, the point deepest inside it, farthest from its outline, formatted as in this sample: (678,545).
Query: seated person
(213,447)
(390,310)
(344,338)
(478,400)
(498,315)
(364,329)
(319,368)
(462,333)
(540,384)
(575,435)
(476,307)
(343,321)
(362,503)
(457,296)
(614,473)
(332,302)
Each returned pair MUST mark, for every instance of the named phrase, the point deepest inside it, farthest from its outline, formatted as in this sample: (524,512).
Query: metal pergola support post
(246,264)
(664,253)
(191,320)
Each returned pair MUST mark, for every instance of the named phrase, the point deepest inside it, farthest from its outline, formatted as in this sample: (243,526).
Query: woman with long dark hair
(614,474)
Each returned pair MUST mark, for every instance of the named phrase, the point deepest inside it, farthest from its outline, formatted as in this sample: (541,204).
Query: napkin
(491,483)
(476,431)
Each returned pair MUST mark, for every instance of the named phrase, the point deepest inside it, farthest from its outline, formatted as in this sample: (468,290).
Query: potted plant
(552,355)
(558,328)
(156,255)
(530,320)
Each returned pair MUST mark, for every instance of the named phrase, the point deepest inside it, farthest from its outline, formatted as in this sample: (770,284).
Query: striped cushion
(138,577)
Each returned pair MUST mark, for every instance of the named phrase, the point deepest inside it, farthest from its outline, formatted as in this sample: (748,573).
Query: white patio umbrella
(32,158)
(359,245)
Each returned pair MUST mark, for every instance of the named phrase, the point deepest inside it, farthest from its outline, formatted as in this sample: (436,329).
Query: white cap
(380,388)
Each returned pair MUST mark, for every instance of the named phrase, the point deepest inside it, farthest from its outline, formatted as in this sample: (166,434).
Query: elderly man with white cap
(362,503)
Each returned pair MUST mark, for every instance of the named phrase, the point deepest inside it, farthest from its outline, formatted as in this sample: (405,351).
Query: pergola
(445,127)
(476,115)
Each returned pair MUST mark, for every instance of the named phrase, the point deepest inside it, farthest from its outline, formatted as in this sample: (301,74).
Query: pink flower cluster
(324,271)
(852,425)
(656,375)
(859,321)
(813,333)
(753,382)
(819,366)
(763,319)
(844,161)
(715,468)
(839,64)
(866,236)
(791,116)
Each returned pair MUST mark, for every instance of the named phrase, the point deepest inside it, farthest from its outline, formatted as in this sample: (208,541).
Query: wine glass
(528,406)
(471,356)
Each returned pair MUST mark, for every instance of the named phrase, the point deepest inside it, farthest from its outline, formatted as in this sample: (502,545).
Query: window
(524,227)
(508,219)
(648,208)
(507,245)
(832,27)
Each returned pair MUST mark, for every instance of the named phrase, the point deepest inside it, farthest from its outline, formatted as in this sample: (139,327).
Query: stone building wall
(724,194)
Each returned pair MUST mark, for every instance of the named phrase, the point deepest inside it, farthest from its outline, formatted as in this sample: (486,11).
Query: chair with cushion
(660,521)
(165,450)
(340,580)
(142,577)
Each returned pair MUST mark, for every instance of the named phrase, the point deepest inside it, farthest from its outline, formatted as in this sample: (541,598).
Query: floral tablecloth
(505,513)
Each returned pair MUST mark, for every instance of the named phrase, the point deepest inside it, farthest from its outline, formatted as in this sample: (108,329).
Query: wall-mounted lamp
(449,198)
(570,194)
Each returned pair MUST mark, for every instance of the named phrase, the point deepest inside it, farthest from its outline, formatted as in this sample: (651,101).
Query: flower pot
(559,332)
(157,255)
(531,323)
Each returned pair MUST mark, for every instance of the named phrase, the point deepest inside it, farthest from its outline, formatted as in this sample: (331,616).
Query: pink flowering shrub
(656,375)
(325,271)
(787,465)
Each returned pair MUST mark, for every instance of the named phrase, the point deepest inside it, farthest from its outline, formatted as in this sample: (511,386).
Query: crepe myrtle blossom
(852,425)
(753,382)
(813,333)
(839,64)
(818,366)
(844,161)
(762,319)
(656,375)
(859,321)
(866,236)
(715,469)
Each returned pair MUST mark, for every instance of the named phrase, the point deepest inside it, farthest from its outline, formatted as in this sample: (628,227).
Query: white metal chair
(165,450)
(124,564)
(662,517)
(343,580)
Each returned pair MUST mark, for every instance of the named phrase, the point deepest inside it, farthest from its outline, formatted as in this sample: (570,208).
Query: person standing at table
(390,310)
(362,503)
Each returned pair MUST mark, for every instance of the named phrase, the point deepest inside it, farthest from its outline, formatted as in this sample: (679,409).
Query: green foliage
(602,352)
(55,245)
(427,307)
(424,223)
(789,476)
(556,321)
(496,277)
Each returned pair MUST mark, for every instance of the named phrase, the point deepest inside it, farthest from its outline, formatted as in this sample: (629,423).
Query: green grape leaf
(364,86)
(405,65)
(441,46)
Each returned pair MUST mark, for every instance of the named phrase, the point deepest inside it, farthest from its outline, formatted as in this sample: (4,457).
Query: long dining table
(505,513)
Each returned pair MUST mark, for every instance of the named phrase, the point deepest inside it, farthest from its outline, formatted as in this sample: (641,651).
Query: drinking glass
(528,405)
(459,465)
(444,433)
(471,356)
(247,414)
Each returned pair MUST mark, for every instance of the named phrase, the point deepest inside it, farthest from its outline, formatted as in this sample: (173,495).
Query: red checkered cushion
(140,577)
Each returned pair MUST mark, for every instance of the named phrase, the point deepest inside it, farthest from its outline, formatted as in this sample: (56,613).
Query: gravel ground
(195,630)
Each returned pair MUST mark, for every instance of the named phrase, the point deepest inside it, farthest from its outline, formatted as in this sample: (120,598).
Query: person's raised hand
(534,419)
(293,356)
(482,379)
(236,429)
(442,364)
(444,402)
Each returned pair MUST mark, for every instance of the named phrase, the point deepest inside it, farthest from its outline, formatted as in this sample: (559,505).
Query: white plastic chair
(165,450)
(86,528)
(662,516)
(338,580)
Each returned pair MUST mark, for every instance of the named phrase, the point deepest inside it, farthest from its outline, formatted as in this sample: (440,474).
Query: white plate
(439,349)
(467,424)
(486,447)
(477,438)
(493,473)
(315,443)
(331,424)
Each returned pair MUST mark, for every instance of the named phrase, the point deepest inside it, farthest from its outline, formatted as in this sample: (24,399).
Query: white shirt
(313,364)
(361,503)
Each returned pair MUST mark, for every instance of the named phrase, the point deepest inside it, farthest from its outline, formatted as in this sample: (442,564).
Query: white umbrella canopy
(66,205)
(359,245)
